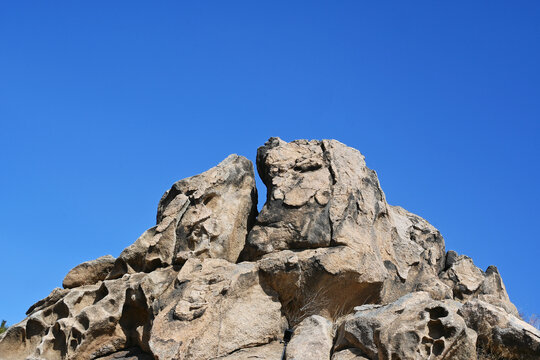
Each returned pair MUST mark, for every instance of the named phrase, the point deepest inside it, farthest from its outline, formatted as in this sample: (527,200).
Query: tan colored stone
(89,272)
(322,194)
(89,321)
(326,249)
(500,334)
(214,309)
(206,215)
(272,351)
(349,354)
(326,281)
(469,282)
(312,339)
(413,327)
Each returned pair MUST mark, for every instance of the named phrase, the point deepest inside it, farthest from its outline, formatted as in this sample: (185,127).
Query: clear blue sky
(104,104)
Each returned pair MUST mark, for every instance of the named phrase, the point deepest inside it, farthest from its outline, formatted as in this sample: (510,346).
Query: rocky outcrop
(327,260)
(469,282)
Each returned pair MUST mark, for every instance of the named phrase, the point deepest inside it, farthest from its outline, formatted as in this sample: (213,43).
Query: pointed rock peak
(311,185)
(206,215)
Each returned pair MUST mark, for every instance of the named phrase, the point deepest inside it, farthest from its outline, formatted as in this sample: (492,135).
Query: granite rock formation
(327,260)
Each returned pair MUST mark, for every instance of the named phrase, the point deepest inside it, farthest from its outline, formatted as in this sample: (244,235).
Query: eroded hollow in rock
(136,318)
(437,330)
(437,312)
(34,328)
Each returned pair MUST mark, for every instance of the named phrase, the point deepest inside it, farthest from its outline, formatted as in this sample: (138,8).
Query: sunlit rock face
(327,265)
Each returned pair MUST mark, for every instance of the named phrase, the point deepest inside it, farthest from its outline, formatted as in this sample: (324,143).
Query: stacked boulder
(327,258)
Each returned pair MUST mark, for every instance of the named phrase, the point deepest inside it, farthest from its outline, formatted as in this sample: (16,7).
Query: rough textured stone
(214,309)
(355,277)
(501,334)
(326,281)
(312,339)
(349,354)
(89,272)
(129,354)
(207,215)
(413,327)
(322,194)
(89,321)
(272,351)
(468,282)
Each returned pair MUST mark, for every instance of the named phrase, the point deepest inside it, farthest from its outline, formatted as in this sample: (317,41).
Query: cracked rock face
(327,260)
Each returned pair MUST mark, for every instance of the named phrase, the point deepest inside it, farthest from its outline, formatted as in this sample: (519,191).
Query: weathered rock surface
(413,327)
(349,354)
(499,333)
(213,309)
(89,321)
(89,272)
(272,351)
(328,257)
(321,194)
(206,215)
(325,281)
(313,339)
(467,282)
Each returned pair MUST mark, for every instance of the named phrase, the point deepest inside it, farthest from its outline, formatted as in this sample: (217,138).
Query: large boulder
(321,194)
(413,327)
(326,281)
(324,203)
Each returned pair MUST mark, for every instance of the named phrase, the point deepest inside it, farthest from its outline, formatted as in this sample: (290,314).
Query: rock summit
(327,270)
